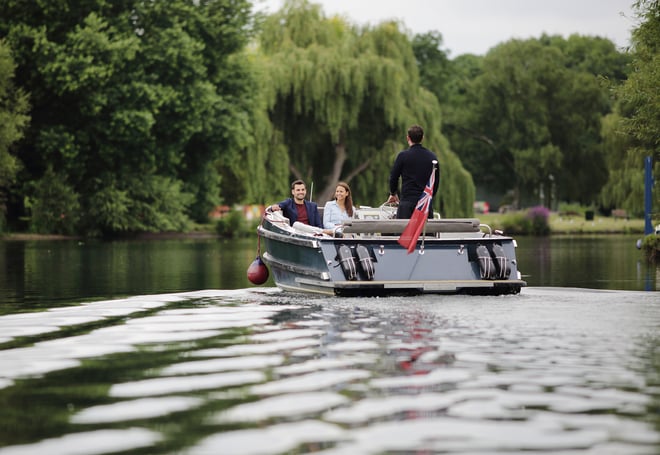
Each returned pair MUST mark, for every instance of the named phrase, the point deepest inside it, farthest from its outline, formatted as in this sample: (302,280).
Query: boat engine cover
(486,265)
(501,262)
(366,262)
(347,262)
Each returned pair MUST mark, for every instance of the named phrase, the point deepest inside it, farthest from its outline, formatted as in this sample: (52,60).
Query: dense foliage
(13,120)
(526,118)
(633,132)
(343,99)
(651,247)
(128,116)
(133,105)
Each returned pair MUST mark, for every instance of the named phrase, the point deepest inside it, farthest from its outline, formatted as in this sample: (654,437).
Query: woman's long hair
(348,202)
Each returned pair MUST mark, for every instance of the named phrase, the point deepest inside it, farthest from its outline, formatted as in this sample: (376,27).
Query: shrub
(56,206)
(233,224)
(539,216)
(651,247)
(534,221)
(567,209)
(515,223)
(151,204)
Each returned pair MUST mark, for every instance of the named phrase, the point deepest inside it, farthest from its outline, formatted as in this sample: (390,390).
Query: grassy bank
(232,227)
(576,224)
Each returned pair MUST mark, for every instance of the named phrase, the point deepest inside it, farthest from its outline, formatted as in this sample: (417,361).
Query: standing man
(414,167)
(296,208)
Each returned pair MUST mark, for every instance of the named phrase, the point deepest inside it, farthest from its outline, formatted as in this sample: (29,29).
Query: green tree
(56,207)
(512,111)
(434,65)
(132,97)
(591,54)
(342,99)
(625,185)
(524,118)
(460,124)
(13,121)
(260,173)
(638,117)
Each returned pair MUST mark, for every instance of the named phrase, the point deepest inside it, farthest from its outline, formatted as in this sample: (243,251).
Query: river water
(162,348)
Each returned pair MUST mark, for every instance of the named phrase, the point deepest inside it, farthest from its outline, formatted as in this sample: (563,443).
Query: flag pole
(421,248)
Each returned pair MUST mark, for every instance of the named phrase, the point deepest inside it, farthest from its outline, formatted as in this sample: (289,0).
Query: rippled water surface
(552,370)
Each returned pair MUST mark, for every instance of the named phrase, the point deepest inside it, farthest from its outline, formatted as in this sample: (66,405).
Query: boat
(364,258)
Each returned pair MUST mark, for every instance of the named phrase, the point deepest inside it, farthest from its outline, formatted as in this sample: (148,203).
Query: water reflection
(244,372)
(586,261)
(39,274)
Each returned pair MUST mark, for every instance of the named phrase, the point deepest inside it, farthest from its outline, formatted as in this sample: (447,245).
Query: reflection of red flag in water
(410,234)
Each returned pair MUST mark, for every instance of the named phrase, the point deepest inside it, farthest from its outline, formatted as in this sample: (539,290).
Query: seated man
(297,209)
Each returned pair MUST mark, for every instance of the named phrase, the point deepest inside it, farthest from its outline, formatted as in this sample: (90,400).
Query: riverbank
(599,225)
(577,224)
(23,236)
(197,231)
(559,225)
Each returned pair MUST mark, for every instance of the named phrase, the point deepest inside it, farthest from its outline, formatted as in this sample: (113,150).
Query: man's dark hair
(297,182)
(416,134)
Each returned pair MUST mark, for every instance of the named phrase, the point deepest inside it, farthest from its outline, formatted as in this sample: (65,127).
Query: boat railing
(396,226)
(386,227)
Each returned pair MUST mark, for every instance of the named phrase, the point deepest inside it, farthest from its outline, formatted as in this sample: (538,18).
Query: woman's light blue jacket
(333,215)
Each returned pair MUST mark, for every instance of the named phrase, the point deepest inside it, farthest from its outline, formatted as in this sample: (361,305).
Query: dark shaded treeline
(131,116)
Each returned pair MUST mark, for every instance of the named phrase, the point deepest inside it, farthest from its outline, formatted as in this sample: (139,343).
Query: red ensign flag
(410,234)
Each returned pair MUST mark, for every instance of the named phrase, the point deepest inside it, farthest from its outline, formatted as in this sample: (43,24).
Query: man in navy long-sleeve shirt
(414,166)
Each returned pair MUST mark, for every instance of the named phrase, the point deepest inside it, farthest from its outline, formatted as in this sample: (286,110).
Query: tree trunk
(328,192)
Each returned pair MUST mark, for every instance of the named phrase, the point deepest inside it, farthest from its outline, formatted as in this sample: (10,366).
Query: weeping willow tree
(340,99)
(634,132)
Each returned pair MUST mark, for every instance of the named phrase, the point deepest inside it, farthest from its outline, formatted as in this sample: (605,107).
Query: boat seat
(433,226)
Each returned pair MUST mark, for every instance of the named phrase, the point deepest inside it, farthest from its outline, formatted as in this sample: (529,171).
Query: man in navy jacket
(296,208)
(413,166)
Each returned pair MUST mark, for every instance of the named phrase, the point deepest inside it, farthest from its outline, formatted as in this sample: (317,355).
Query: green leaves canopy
(633,132)
(527,116)
(342,99)
(133,100)
(13,120)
